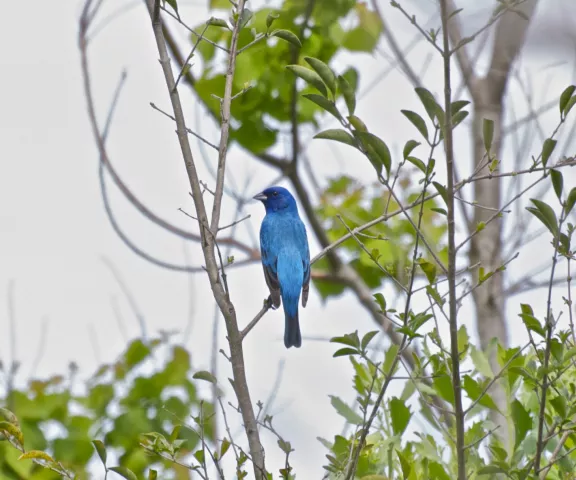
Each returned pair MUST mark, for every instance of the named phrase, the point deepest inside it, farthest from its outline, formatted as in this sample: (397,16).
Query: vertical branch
(449,148)
(225,120)
(550,323)
(207,238)
(486,248)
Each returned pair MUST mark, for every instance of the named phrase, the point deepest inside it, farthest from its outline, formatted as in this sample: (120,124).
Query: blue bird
(285,257)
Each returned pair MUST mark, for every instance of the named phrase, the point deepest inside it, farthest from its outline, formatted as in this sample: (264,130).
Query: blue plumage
(285,257)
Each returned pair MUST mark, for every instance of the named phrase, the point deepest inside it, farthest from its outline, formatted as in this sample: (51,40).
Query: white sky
(54,232)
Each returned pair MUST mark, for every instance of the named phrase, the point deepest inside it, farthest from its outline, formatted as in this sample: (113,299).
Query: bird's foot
(269,304)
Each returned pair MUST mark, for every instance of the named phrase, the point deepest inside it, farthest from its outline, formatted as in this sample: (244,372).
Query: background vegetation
(436,228)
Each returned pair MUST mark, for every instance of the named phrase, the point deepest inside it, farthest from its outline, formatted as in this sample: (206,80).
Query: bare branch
(462,57)
(452,301)
(398,54)
(225,113)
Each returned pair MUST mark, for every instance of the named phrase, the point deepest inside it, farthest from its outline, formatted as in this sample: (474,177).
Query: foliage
(392,451)
(261,65)
(148,389)
(399,231)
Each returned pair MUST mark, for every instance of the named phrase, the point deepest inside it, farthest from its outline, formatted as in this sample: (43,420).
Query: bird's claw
(269,304)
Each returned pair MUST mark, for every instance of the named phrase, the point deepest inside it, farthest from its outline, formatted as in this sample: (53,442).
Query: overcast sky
(54,235)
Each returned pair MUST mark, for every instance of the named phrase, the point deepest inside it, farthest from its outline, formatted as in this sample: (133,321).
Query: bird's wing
(303,240)
(269,260)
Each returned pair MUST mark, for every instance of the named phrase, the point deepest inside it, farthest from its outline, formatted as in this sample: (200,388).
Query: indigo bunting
(285,257)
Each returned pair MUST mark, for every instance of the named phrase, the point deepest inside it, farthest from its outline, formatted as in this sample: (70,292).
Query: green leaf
(441,211)
(223,4)
(348,94)
(405,464)
(343,352)
(323,103)
(357,123)
(205,375)
(288,36)
(124,472)
(152,474)
(488,133)
(389,358)
(344,410)
(350,339)
(410,145)
(417,121)
(271,18)
(174,6)
(9,429)
(36,455)
(433,292)
(417,163)
(491,470)
(310,77)
(475,392)
(441,190)
(136,353)
(458,118)
(380,148)
(200,456)
(545,214)
(366,339)
(428,101)
(224,447)
(463,339)
(560,405)
(557,182)
(443,385)
(246,16)
(565,98)
(285,446)
(428,268)
(570,201)
(8,416)
(458,105)
(532,324)
(569,105)
(526,308)
(337,135)
(399,415)
(324,71)
(175,433)
(101,451)
(481,362)
(216,22)
(522,422)
(364,37)
(547,149)
(381,301)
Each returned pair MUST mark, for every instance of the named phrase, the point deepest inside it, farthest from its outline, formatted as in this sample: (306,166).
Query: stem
(208,241)
(449,148)
(225,119)
(540,444)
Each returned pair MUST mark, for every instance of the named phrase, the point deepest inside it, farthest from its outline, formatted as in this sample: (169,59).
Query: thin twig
(452,301)
(225,114)
(191,132)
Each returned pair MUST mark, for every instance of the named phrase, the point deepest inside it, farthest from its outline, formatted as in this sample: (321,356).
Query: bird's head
(277,199)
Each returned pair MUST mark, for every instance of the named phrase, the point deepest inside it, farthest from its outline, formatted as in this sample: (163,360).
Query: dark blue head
(277,199)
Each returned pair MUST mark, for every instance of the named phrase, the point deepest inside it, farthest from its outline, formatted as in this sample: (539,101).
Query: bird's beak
(260,197)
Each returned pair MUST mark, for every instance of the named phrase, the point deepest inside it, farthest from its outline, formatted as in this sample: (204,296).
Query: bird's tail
(292,337)
(290,277)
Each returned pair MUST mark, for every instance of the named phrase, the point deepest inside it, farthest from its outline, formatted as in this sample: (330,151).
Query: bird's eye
(275,194)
